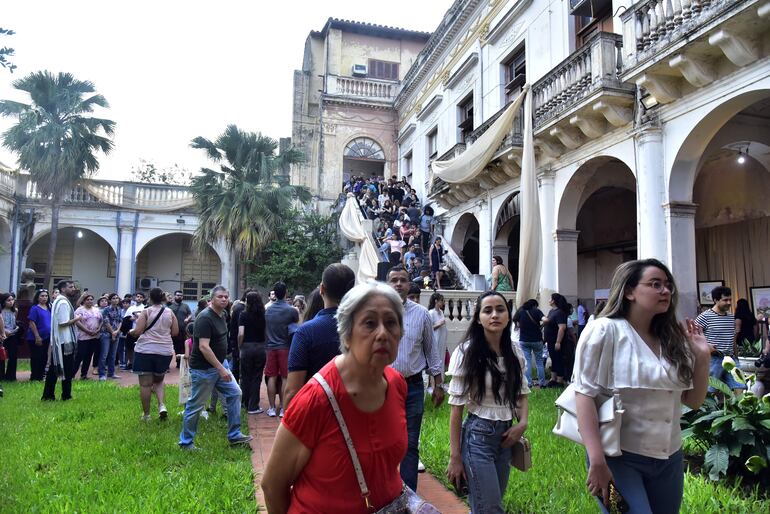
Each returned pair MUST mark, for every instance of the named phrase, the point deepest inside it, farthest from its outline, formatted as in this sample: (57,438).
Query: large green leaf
(735,446)
(721,387)
(718,421)
(765,423)
(741,423)
(716,460)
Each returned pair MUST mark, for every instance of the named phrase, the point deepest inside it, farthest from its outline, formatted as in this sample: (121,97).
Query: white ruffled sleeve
(456,390)
(594,359)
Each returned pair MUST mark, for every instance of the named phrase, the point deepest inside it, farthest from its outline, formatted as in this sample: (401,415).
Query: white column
(126,260)
(651,194)
(485,239)
(681,255)
(545,181)
(566,262)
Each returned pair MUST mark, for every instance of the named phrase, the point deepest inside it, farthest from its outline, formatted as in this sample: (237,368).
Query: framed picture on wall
(760,300)
(704,291)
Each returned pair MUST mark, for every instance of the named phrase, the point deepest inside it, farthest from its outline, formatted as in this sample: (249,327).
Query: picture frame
(760,300)
(704,291)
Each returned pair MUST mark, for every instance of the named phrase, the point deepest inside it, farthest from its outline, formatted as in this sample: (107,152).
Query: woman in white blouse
(637,347)
(488,379)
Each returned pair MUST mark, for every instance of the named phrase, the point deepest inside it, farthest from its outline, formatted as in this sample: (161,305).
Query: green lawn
(92,454)
(556,481)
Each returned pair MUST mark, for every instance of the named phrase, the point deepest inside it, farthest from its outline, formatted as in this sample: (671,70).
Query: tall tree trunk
(242,271)
(52,241)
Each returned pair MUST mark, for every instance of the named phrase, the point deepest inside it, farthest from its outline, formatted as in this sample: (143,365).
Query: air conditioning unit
(148,283)
(359,70)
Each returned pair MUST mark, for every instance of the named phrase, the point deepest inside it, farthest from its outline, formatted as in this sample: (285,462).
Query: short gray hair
(217,288)
(355,299)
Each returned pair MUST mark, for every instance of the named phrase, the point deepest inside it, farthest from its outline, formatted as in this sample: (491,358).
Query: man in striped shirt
(416,352)
(719,328)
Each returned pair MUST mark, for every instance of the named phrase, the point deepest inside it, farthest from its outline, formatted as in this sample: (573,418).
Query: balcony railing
(514,137)
(655,24)
(594,66)
(371,89)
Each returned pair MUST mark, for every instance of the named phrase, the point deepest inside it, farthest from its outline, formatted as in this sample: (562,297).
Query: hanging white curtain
(469,164)
(530,242)
(351,225)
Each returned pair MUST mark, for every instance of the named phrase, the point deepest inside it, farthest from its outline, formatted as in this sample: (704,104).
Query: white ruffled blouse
(611,355)
(488,408)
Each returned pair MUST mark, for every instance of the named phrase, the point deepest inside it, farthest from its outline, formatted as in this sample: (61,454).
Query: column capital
(546,177)
(680,209)
(565,234)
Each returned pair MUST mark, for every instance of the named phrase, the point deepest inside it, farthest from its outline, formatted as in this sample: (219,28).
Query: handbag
(610,414)
(408,502)
(3,353)
(521,452)
(185,381)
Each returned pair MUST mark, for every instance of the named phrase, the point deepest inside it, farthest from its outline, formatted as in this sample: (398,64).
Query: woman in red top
(309,469)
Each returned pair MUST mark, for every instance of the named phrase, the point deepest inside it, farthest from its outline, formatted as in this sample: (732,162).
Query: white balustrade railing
(7,184)
(362,88)
(468,280)
(653,24)
(596,64)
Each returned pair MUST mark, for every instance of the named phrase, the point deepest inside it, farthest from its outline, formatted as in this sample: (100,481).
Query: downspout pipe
(133,253)
(117,255)
(14,246)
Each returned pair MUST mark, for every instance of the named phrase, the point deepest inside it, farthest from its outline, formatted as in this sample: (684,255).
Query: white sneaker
(271,412)
(162,412)
(420,467)
(145,418)
(280,414)
(259,410)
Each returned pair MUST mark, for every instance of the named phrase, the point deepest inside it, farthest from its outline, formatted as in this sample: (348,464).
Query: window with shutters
(382,70)
(515,74)
(466,117)
(432,144)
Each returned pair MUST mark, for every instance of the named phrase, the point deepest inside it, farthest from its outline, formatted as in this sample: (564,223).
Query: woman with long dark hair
(9,336)
(746,326)
(487,378)
(555,335)
(637,349)
(39,333)
(251,342)
(531,339)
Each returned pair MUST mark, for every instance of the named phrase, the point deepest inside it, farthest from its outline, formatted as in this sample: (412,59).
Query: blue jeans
(107,355)
(537,348)
(717,371)
(648,485)
(204,382)
(487,464)
(415,405)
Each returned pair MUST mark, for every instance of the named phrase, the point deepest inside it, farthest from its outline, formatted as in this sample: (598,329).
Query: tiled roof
(371,28)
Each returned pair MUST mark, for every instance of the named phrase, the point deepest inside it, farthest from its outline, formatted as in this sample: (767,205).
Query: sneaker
(259,410)
(114,377)
(189,447)
(271,412)
(420,467)
(145,418)
(204,414)
(95,371)
(280,414)
(241,440)
(162,412)
(102,379)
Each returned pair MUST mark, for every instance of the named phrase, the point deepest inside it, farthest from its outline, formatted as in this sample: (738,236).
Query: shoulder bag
(133,339)
(521,452)
(408,502)
(610,414)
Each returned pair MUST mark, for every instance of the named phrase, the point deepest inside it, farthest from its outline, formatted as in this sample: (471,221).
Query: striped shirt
(416,350)
(718,329)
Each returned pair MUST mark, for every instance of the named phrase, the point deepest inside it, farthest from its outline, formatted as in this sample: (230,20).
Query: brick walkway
(263,429)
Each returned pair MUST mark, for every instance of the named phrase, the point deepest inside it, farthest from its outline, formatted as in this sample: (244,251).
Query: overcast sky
(172,70)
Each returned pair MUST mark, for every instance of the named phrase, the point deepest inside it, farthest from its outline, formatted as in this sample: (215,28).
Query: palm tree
(249,196)
(56,138)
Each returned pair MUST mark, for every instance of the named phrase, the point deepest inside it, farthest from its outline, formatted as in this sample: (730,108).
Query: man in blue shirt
(317,341)
(277,320)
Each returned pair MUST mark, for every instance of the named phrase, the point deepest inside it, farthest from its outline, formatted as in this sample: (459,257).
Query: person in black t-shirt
(251,342)
(208,372)
(527,318)
(555,335)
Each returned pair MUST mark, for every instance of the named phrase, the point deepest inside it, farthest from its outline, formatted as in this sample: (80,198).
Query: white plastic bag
(185,381)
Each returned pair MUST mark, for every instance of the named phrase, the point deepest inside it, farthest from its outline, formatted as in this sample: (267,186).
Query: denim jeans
(204,382)
(537,348)
(648,485)
(107,355)
(487,464)
(415,405)
(717,371)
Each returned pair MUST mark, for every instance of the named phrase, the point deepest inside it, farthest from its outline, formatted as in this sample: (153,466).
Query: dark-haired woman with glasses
(9,336)
(488,380)
(637,348)
(39,333)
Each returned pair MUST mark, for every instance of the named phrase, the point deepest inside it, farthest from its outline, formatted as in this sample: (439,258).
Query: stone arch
(364,147)
(106,233)
(83,254)
(507,232)
(465,240)
(693,149)
(172,260)
(6,250)
(362,155)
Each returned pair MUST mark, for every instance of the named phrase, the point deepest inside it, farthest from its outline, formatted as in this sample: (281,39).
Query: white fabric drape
(140,198)
(469,164)
(530,241)
(352,227)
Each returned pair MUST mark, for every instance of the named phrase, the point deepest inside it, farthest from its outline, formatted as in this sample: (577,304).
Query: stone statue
(27,287)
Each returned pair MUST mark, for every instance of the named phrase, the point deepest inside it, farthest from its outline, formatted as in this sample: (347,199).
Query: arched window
(364,148)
